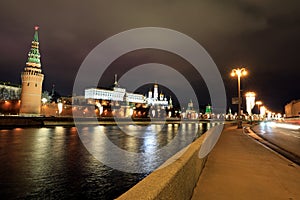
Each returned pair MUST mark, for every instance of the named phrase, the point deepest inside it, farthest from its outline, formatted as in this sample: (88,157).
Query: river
(54,163)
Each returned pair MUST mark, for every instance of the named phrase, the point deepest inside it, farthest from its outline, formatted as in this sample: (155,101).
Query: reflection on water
(52,163)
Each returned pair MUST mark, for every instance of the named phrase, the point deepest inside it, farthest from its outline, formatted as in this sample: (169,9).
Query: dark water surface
(52,163)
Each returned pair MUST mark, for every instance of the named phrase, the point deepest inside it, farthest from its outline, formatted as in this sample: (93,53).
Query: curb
(295,160)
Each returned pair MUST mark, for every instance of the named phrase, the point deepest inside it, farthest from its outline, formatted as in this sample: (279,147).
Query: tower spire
(36,35)
(116,81)
(34,53)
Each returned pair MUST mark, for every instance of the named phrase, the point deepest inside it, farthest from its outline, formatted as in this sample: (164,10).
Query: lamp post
(263,111)
(258,103)
(239,72)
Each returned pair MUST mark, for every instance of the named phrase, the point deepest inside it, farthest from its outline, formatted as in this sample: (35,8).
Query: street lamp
(239,72)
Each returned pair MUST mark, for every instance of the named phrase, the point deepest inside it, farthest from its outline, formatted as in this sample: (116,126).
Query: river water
(54,163)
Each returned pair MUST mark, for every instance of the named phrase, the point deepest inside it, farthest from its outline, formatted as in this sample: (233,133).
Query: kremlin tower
(32,80)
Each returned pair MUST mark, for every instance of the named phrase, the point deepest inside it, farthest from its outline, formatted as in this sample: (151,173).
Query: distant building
(190,112)
(117,94)
(9,99)
(116,102)
(154,99)
(208,110)
(9,91)
(158,103)
(32,80)
(292,109)
(127,103)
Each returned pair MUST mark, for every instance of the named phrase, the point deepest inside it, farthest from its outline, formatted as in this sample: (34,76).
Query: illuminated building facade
(292,109)
(154,99)
(117,94)
(158,103)
(116,102)
(9,91)
(120,94)
(32,80)
(127,103)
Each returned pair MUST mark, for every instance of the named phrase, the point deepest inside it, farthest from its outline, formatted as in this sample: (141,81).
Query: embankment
(174,181)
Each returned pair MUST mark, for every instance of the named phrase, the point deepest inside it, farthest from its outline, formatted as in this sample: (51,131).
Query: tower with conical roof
(32,80)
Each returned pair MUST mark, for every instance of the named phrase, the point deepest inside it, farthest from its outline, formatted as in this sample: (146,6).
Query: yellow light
(250,94)
(60,107)
(239,72)
(258,103)
(44,100)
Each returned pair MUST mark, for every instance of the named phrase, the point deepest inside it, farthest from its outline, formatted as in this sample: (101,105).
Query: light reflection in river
(52,163)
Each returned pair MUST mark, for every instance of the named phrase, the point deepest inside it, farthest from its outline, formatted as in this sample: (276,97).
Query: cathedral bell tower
(32,80)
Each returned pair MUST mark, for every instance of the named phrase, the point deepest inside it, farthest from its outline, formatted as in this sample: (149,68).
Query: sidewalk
(241,168)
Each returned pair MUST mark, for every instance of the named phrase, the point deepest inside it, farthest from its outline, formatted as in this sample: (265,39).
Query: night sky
(261,35)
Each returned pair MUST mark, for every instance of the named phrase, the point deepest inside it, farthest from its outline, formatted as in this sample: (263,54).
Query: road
(284,136)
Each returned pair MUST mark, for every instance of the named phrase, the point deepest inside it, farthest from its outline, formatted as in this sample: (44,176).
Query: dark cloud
(263,35)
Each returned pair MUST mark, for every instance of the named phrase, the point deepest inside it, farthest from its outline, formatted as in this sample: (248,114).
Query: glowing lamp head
(36,28)
(250,94)
(239,72)
(44,100)
(258,103)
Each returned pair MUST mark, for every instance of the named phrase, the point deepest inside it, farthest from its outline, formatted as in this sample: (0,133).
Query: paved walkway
(241,168)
